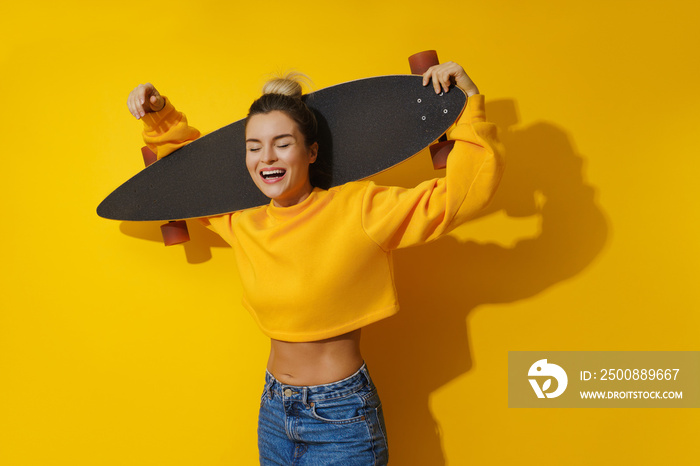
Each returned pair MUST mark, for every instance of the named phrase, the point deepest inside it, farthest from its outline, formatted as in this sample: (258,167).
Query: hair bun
(290,84)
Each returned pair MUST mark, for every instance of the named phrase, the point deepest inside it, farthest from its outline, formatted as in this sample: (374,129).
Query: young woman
(316,264)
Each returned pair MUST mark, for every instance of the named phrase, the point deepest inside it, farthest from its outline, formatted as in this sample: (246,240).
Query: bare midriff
(315,362)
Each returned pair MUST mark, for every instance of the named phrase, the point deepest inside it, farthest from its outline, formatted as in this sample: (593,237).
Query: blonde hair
(290,84)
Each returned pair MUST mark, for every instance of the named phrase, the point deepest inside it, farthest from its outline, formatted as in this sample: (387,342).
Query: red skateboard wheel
(421,61)
(439,153)
(148,155)
(175,232)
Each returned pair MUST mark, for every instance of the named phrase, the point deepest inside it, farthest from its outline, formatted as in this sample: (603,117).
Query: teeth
(272,173)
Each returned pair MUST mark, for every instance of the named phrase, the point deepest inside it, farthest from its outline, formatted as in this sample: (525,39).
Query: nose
(268,155)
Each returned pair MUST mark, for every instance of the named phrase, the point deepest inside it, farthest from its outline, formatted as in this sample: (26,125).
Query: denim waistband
(339,389)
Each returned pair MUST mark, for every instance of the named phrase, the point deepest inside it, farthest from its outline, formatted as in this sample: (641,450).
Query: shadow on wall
(426,344)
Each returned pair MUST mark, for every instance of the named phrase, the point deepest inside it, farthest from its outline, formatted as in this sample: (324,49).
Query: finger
(131,104)
(145,91)
(428,75)
(436,82)
(139,102)
(157,103)
(446,82)
(440,75)
(128,104)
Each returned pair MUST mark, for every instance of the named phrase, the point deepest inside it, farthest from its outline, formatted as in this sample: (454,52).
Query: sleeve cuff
(474,112)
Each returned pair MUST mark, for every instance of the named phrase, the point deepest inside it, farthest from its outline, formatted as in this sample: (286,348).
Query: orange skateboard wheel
(439,153)
(421,61)
(148,155)
(175,232)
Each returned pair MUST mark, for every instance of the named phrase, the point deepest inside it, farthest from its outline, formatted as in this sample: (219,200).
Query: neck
(294,200)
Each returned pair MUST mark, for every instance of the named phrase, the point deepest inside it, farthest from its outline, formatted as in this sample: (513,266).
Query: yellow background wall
(115,350)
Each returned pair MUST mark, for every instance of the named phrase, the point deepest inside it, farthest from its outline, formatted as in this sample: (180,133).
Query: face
(278,159)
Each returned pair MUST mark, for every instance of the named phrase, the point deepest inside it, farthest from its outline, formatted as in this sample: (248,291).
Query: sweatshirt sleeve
(398,217)
(167,130)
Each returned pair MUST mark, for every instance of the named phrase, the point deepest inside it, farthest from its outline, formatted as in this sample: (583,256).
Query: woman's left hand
(442,76)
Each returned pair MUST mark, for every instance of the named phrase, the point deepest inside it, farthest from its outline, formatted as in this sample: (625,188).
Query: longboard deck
(365,127)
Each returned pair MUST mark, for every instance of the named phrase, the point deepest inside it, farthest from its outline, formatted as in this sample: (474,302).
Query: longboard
(365,127)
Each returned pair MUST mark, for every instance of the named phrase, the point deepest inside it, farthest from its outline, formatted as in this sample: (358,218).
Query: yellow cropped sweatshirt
(323,267)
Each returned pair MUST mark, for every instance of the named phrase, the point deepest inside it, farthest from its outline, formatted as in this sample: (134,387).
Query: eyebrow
(274,139)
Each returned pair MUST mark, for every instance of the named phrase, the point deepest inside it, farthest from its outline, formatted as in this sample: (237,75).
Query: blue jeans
(338,423)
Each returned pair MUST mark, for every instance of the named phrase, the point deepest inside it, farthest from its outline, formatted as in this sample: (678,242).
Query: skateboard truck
(419,63)
(174,232)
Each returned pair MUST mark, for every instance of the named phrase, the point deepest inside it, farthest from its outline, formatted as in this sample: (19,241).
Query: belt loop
(365,372)
(268,386)
(304,396)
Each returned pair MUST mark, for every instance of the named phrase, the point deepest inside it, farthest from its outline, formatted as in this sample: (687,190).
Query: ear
(313,152)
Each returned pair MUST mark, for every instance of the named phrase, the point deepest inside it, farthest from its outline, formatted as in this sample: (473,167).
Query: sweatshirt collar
(292,211)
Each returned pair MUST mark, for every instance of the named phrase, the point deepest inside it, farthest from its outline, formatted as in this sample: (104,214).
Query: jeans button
(287,392)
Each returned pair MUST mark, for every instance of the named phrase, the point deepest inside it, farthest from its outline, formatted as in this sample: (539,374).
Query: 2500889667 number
(639,374)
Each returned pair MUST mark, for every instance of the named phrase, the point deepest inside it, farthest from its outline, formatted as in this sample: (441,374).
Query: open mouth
(270,176)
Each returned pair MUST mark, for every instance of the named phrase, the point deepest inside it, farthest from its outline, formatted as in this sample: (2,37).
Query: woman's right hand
(144,99)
